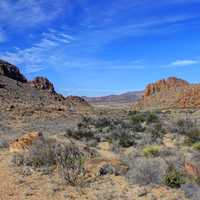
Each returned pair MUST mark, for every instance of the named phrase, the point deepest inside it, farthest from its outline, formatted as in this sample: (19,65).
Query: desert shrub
(125,138)
(192,136)
(70,162)
(173,178)
(145,171)
(80,134)
(140,117)
(137,118)
(157,131)
(196,146)
(68,159)
(152,117)
(40,154)
(151,150)
(185,125)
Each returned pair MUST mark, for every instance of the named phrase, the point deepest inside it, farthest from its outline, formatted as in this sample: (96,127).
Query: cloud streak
(37,57)
(183,63)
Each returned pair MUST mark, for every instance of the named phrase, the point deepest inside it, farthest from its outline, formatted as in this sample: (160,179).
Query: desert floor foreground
(17,184)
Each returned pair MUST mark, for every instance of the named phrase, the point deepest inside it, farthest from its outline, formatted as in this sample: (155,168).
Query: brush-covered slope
(170,93)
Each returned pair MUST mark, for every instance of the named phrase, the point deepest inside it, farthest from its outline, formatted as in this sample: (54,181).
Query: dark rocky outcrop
(43,83)
(11,71)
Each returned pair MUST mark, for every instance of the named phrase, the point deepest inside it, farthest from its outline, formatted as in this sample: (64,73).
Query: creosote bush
(173,178)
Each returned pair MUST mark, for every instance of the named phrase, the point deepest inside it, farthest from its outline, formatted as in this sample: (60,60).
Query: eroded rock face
(23,143)
(42,83)
(169,93)
(11,71)
(164,84)
(192,164)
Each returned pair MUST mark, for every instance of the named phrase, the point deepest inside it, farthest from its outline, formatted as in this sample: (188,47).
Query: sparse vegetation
(173,178)
(146,171)
(68,159)
(151,150)
(196,146)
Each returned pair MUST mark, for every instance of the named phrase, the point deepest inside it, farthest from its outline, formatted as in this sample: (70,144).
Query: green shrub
(173,178)
(196,146)
(151,150)
(185,126)
(140,117)
(151,118)
(157,131)
(192,136)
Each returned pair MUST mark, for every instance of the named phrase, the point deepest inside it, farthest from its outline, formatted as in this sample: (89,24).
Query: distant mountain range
(128,97)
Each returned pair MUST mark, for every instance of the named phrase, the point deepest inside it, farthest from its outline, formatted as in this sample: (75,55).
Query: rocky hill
(170,93)
(20,95)
(128,97)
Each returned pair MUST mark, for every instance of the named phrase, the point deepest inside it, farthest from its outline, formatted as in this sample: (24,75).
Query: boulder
(23,143)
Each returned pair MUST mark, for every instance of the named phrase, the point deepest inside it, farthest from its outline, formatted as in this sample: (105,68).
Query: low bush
(140,117)
(157,131)
(145,171)
(185,125)
(39,154)
(151,150)
(68,159)
(70,162)
(196,146)
(192,136)
(173,178)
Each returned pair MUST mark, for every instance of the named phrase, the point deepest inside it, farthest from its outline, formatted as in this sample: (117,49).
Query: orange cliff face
(164,84)
(169,93)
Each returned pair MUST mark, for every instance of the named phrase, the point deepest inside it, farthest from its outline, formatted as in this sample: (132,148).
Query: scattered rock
(141,192)
(106,169)
(27,171)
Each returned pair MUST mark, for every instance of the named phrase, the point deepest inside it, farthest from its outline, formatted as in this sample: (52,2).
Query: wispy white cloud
(37,57)
(26,13)
(182,63)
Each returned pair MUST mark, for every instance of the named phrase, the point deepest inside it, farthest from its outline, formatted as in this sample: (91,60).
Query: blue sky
(96,48)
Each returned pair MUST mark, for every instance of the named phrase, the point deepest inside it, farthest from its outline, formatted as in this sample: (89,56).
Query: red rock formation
(11,71)
(170,93)
(164,84)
